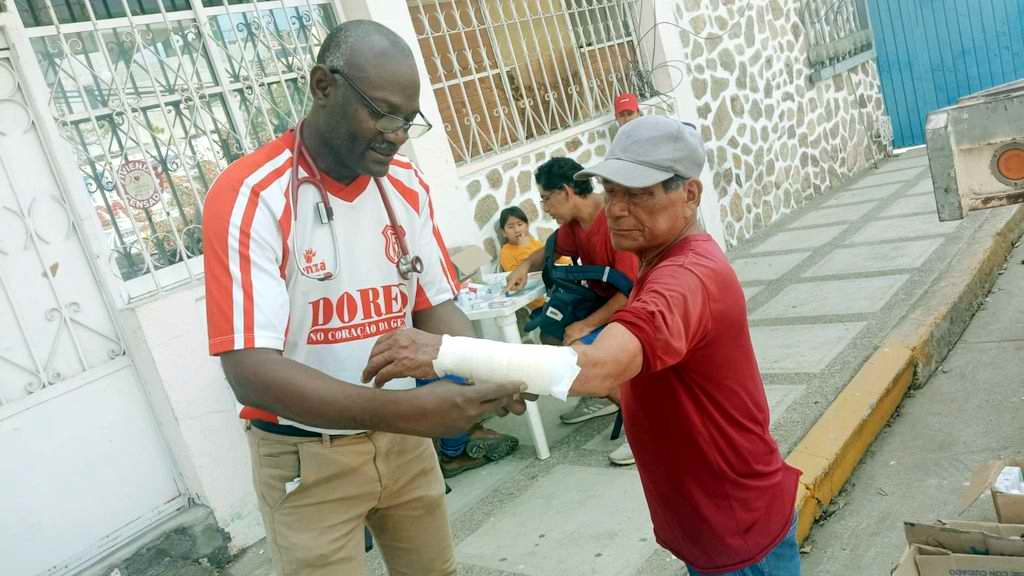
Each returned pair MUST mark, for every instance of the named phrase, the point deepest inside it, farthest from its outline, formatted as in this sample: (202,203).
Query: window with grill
(838,33)
(158,96)
(505,72)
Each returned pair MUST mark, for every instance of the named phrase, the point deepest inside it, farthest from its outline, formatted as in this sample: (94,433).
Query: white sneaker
(623,455)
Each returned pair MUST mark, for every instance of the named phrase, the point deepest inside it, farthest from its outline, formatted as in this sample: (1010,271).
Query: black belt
(284,429)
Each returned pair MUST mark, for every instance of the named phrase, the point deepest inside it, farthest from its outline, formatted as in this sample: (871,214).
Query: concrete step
(189,543)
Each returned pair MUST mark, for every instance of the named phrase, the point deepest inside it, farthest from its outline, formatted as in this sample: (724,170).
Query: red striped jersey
(257,295)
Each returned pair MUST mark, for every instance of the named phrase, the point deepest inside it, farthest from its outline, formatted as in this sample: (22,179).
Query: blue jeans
(783,560)
(455,445)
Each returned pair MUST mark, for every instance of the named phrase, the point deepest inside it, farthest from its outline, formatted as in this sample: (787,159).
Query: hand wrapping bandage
(544,369)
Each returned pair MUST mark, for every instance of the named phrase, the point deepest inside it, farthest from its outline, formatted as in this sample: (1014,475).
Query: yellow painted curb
(835,444)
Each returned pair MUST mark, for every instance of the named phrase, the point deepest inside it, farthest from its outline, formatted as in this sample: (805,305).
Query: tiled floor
(876,258)
(766,267)
(555,528)
(832,297)
(799,239)
(906,227)
(801,348)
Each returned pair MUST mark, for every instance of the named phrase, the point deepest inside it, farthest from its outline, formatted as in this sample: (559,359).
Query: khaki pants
(316,494)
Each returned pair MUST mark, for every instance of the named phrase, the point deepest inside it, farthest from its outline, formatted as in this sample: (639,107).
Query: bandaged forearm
(544,369)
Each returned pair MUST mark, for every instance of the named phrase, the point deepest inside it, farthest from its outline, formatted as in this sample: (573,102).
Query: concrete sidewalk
(968,414)
(825,286)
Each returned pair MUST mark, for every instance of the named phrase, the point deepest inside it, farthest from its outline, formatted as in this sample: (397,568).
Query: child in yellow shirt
(519,244)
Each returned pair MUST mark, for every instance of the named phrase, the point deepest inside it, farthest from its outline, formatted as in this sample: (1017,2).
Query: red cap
(626,101)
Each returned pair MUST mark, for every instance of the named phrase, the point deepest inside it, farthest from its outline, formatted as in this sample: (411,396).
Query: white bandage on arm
(545,369)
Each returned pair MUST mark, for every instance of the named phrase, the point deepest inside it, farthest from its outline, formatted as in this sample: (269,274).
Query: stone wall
(774,138)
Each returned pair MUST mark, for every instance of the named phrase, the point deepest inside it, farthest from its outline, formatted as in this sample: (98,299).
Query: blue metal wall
(932,52)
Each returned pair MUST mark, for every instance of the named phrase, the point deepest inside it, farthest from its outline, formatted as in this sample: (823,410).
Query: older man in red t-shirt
(680,357)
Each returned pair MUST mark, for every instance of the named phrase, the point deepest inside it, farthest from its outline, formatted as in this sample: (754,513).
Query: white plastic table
(505,317)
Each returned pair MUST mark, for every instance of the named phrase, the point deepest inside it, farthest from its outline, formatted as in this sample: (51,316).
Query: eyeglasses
(388,123)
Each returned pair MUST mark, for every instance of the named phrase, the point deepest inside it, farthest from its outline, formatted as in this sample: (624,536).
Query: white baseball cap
(649,150)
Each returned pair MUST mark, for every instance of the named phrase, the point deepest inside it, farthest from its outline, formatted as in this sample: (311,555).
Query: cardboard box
(1009,507)
(468,260)
(920,560)
(963,537)
(960,547)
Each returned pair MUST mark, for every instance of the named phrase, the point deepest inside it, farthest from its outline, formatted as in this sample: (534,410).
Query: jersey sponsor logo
(392,244)
(363,313)
(311,264)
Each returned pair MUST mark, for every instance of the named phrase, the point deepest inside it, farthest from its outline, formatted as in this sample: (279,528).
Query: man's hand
(516,279)
(406,353)
(453,409)
(575,331)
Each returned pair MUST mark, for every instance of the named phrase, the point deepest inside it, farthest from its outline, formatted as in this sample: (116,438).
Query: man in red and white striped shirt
(294,312)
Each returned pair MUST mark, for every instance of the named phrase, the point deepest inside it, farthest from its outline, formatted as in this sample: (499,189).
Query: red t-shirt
(721,496)
(593,245)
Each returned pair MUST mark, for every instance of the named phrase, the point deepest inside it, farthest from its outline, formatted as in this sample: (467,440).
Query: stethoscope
(407,264)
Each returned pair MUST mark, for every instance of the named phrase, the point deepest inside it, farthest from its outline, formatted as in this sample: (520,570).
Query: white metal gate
(155,97)
(84,462)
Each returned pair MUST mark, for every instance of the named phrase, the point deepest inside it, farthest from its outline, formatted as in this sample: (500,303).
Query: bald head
(357,46)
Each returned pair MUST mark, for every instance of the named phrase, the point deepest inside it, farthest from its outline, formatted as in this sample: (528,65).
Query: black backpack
(569,300)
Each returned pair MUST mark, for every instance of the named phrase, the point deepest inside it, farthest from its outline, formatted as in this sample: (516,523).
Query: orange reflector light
(1010,163)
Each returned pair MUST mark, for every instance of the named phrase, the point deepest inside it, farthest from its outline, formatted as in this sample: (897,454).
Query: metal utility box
(976,151)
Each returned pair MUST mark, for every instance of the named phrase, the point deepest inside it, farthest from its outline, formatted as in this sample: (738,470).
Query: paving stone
(917,204)
(922,187)
(832,215)
(877,179)
(749,291)
(555,528)
(907,227)
(863,195)
(780,397)
(799,239)
(766,267)
(801,348)
(900,165)
(876,257)
(468,488)
(904,162)
(830,297)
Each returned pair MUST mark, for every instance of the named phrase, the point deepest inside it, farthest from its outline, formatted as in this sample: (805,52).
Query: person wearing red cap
(627,107)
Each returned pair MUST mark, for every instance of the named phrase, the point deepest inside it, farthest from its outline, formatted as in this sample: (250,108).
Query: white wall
(197,409)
